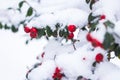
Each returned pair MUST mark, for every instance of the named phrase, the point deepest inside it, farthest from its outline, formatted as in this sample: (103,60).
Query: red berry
(26,29)
(70,36)
(57,70)
(57,74)
(96,43)
(89,37)
(102,17)
(71,28)
(33,32)
(99,57)
(33,35)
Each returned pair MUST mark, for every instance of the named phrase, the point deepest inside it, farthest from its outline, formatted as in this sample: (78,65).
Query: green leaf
(91,3)
(49,31)
(6,27)
(21,4)
(29,12)
(14,29)
(79,77)
(87,1)
(119,56)
(61,32)
(109,24)
(94,64)
(55,33)
(93,26)
(108,40)
(41,32)
(57,25)
(65,34)
(1,26)
(114,46)
(91,17)
(117,52)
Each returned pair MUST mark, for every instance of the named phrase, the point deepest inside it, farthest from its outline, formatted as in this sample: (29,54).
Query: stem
(74,45)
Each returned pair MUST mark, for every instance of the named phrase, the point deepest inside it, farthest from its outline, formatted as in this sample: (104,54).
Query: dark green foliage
(91,18)
(108,40)
(117,51)
(55,33)
(87,1)
(91,4)
(14,29)
(6,27)
(109,24)
(29,12)
(41,32)
(93,26)
(61,33)
(94,64)
(1,26)
(21,4)
(49,31)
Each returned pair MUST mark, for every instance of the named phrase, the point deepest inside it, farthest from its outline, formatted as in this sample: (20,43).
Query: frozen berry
(33,32)
(26,29)
(99,57)
(33,35)
(89,37)
(71,28)
(57,74)
(102,17)
(70,36)
(96,43)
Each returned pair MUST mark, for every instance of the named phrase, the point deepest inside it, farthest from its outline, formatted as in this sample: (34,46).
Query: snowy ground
(15,55)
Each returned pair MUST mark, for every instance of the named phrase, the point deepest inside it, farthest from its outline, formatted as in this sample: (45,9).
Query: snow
(45,71)
(64,17)
(48,6)
(99,34)
(16,57)
(108,7)
(108,70)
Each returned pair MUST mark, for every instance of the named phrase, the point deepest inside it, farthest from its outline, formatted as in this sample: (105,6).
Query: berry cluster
(47,31)
(71,29)
(57,74)
(32,31)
